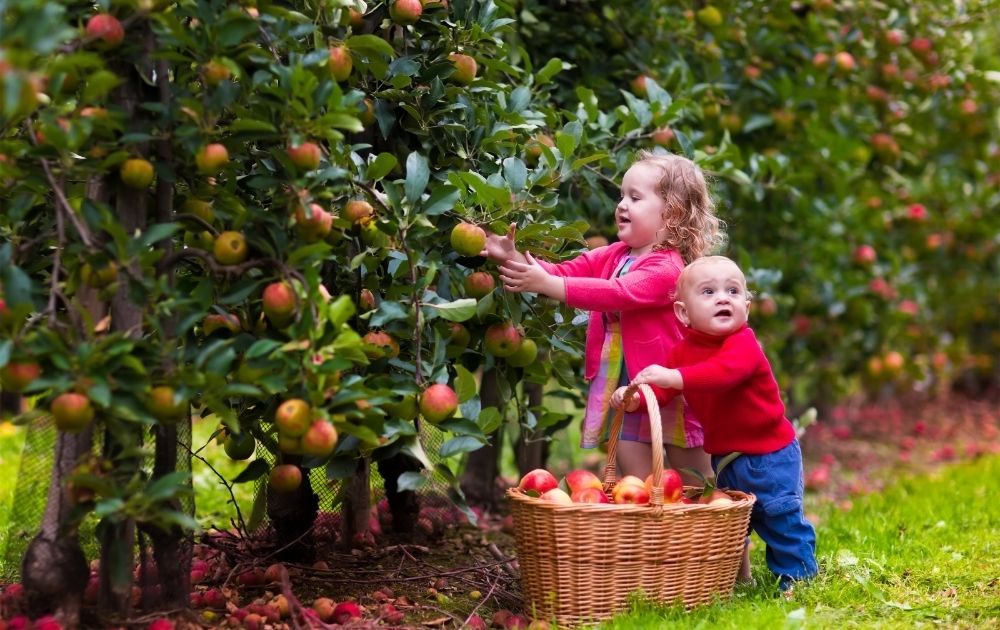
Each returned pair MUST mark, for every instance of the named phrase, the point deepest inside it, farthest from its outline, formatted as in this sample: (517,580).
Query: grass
(11,442)
(924,553)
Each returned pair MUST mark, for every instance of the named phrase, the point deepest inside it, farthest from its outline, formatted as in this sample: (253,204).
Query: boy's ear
(680,310)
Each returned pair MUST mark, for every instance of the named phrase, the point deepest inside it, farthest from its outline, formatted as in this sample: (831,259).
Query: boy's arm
(735,362)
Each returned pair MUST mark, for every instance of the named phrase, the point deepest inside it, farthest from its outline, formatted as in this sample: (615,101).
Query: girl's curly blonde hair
(690,225)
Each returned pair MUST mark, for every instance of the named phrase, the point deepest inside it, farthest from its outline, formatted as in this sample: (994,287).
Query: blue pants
(777,517)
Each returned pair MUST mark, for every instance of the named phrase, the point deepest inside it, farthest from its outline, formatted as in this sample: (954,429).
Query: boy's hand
(618,400)
(530,276)
(660,376)
(500,249)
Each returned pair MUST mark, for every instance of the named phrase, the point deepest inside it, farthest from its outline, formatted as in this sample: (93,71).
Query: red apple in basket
(589,495)
(630,489)
(537,482)
(717,497)
(673,485)
(580,479)
(556,495)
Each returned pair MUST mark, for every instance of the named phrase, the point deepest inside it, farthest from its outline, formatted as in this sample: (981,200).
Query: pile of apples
(583,486)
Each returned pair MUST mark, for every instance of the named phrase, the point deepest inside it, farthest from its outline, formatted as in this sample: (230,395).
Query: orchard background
(214,208)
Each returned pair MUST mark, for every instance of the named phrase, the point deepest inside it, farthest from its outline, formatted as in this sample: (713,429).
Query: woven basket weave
(580,562)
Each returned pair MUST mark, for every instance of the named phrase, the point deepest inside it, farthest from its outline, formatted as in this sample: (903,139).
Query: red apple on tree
(502,339)
(17,375)
(844,61)
(166,405)
(406,11)
(230,248)
(381,343)
(465,68)
(136,173)
(319,439)
(536,482)
(106,30)
(533,148)
(215,72)
(358,211)
(293,417)
(71,412)
(340,63)
(664,136)
(525,355)
(285,477)
(438,403)
(211,158)
(279,303)
(468,239)
(479,284)
(314,226)
(639,86)
(220,321)
(864,254)
(305,156)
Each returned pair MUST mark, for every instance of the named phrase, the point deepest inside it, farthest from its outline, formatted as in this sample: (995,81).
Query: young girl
(665,219)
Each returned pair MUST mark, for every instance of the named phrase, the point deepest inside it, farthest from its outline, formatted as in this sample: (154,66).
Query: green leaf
(489,420)
(370,44)
(249,125)
(465,383)
(98,85)
(262,347)
(258,511)
(107,507)
(457,311)
(685,143)
(417,175)
(415,449)
(411,481)
(389,312)
(16,288)
(340,310)
(460,444)
(551,69)
(255,470)
(168,485)
(443,198)
(381,166)
(516,173)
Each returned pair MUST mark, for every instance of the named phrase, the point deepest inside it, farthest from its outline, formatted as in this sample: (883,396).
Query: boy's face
(639,214)
(714,298)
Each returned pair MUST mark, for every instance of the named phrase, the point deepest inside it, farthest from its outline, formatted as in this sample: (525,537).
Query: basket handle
(656,435)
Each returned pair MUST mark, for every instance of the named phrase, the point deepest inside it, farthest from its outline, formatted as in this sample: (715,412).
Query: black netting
(34,473)
(31,492)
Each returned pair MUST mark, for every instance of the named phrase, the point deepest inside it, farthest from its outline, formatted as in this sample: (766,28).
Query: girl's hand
(501,248)
(618,400)
(530,276)
(660,376)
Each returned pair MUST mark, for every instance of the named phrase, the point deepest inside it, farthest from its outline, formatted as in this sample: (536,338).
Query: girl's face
(639,214)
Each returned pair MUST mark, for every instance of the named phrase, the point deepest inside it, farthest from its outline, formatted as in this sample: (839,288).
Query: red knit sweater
(729,385)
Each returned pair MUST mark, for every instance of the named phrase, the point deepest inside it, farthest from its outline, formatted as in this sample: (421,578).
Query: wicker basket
(580,562)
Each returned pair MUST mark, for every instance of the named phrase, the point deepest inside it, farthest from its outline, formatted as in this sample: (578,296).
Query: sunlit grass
(924,553)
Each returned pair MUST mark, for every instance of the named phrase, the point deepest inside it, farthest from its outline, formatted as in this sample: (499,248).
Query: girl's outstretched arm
(500,249)
(530,276)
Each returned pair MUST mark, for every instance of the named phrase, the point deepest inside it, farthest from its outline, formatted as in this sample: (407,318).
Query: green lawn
(925,553)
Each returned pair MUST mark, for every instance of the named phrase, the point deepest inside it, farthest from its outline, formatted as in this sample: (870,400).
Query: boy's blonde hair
(689,221)
(684,279)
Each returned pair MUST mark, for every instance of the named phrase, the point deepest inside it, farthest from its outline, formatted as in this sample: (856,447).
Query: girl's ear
(680,310)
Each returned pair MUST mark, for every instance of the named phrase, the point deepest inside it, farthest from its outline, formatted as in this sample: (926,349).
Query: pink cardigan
(644,297)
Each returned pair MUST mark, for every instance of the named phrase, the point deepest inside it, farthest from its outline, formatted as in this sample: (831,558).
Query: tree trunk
(532,448)
(292,515)
(404,505)
(54,570)
(171,549)
(481,470)
(357,506)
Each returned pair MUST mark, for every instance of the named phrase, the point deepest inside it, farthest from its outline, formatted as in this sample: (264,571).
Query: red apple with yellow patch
(536,482)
